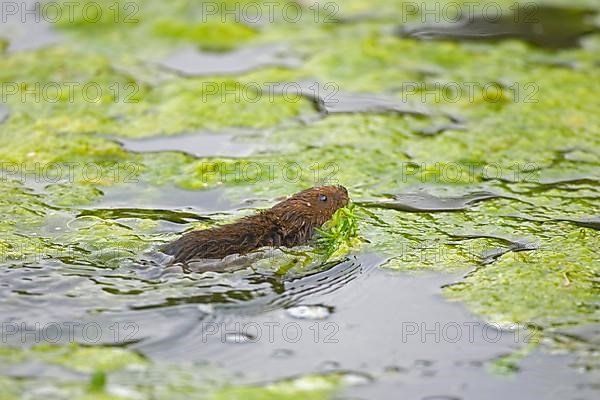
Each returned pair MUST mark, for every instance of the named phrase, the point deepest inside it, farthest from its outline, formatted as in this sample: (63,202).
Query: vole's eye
(322,197)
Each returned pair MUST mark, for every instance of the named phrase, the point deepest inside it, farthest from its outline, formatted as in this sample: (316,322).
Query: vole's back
(240,237)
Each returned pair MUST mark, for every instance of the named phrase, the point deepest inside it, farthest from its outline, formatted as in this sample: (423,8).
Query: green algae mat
(467,134)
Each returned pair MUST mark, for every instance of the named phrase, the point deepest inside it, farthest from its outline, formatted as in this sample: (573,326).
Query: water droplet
(282,353)
(394,369)
(239,337)
(310,311)
(423,363)
(356,378)
(206,308)
(121,391)
(330,366)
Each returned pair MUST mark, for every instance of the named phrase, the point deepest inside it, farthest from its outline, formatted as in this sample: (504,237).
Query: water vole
(289,223)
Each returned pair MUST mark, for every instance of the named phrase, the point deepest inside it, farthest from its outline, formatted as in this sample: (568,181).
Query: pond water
(544,26)
(194,62)
(468,266)
(200,144)
(389,333)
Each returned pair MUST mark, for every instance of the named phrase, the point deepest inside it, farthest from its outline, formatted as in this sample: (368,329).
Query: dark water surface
(548,27)
(392,333)
(425,202)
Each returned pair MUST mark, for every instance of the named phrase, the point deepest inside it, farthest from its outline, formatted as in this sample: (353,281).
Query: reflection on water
(328,99)
(192,61)
(592,222)
(425,202)
(174,198)
(548,27)
(3,113)
(176,217)
(198,144)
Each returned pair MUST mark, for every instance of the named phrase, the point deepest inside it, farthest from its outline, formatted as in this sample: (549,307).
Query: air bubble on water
(206,308)
(328,366)
(356,379)
(282,353)
(309,311)
(239,337)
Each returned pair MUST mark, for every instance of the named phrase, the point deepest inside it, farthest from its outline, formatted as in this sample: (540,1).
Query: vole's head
(312,207)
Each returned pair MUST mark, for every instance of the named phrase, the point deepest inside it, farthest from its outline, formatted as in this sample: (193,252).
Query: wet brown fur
(289,223)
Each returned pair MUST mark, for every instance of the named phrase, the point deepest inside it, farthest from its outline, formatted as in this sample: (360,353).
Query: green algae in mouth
(338,235)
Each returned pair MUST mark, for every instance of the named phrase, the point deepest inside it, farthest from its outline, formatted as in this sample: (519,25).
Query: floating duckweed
(88,359)
(306,387)
(210,35)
